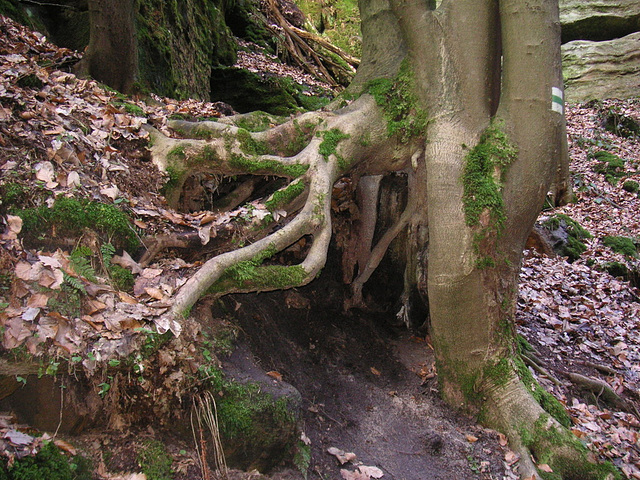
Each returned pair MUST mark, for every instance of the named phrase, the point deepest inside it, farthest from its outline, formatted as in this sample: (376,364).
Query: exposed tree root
(332,144)
(601,390)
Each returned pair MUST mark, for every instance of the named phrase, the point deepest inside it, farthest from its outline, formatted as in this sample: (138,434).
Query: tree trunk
(112,54)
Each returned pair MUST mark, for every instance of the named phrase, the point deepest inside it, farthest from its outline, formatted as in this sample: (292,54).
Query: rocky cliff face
(601,49)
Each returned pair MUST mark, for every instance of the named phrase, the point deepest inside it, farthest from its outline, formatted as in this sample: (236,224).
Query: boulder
(597,70)
(598,20)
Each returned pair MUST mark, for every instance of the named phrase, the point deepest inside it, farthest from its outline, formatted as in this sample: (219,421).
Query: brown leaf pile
(583,319)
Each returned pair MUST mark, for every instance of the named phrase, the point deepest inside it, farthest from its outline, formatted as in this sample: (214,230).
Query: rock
(259,414)
(598,20)
(597,70)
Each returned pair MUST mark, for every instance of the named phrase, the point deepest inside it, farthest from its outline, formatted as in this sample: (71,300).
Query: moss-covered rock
(179,42)
(567,236)
(247,91)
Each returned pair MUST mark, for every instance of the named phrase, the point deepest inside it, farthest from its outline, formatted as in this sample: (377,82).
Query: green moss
(623,245)
(631,186)
(257,121)
(48,464)
(302,458)
(72,216)
(548,402)
(329,144)
(563,452)
(130,108)
(484,170)
(121,277)
(249,145)
(253,165)
(176,153)
(610,165)
(11,194)
(400,105)
(283,197)
(498,372)
(616,269)
(154,461)
(244,411)
(574,246)
(300,139)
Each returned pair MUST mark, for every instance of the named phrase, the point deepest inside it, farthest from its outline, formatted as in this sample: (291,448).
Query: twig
(600,389)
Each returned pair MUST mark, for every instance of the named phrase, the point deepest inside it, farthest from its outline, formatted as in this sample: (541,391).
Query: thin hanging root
(376,256)
(206,419)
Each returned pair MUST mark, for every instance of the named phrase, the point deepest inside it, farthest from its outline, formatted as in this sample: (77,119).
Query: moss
(498,372)
(300,140)
(397,99)
(177,153)
(253,165)
(623,245)
(249,145)
(257,121)
(244,410)
(121,278)
(11,194)
(72,216)
(48,464)
(610,165)
(283,197)
(574,246)
(130,108)
(329,144)
(631,186)
(483,191)
(178,42)
(563,452)
(548,402)
(154,461)
(616,269)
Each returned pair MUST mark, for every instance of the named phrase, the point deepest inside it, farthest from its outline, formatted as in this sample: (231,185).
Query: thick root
(548,450)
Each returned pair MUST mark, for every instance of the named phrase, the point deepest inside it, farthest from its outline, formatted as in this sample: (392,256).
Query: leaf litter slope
(65,136)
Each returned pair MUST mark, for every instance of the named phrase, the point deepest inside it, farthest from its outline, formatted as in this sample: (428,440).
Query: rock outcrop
(596,70)
(601,55)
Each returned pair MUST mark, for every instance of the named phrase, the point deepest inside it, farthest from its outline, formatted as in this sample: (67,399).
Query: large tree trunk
(112,54)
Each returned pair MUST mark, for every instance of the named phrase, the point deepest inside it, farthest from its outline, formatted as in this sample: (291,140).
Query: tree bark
(112,54)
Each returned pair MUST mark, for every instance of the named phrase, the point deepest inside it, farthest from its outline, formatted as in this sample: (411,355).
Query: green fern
(76,283)
(107,250)
(82,266)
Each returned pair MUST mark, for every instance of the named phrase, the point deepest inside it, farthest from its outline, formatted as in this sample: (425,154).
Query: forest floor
(367,386)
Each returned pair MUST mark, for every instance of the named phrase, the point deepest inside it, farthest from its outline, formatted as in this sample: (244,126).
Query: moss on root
(255,164)
(329,144)
(562,451)
(283,197)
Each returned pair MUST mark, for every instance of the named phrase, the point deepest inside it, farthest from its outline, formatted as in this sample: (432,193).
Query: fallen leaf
(375,371)
(342,456)
(276,375)
(545,468)
(349,475)
(471,438)
(373,472)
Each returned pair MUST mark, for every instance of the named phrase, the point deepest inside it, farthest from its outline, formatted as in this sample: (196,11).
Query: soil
(362,392)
